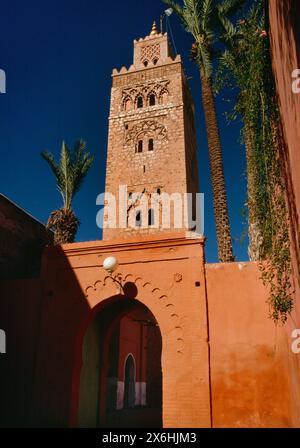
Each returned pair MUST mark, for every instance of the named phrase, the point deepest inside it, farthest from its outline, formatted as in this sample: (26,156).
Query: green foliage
(195,16)
(71,170)
(203,19)
(247,64)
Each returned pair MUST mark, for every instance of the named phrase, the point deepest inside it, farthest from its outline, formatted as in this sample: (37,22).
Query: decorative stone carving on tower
(152,139)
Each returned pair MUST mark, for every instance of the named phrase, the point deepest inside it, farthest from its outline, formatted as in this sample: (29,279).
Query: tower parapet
(150,51)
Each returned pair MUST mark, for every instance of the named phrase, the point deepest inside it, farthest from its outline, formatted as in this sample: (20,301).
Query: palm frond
(227,59)
(228,29)
(51,162)
(206,9)
(230,7)
(66,169)
(81,170)
(71,170)
(79,148)
(56,169)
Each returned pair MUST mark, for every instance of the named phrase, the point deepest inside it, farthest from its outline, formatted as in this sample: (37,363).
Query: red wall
(285,45)
(132,340)
(22,239)
(251,372)
(251,377)
(144,343)
(20,312)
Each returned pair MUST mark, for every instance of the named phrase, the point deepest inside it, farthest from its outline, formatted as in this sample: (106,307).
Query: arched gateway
(121,378)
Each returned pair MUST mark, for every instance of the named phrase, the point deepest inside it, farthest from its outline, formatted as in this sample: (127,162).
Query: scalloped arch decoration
(162,301)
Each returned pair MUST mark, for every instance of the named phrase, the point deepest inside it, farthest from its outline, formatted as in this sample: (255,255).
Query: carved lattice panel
(148,127)
(150,52)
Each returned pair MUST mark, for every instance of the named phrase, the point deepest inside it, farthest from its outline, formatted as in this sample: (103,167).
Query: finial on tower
(154,29)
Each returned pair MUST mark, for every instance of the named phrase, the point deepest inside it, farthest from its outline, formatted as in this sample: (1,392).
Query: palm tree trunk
(255,238)
(64,224)
(217,172)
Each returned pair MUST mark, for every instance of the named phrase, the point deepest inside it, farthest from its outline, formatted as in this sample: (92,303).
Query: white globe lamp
(110,264)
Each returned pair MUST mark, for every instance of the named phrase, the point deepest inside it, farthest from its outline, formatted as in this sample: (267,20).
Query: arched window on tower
(138,219)
(151,220)
(139,146)
(129,382)
(152,100)
(139,102)
(150,144)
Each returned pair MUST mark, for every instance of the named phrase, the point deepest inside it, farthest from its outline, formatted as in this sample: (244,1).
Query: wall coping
(122,244)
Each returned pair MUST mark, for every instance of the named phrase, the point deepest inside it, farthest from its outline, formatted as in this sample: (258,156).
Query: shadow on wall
(22,240)
(55,341)
(288,16)
(291,22)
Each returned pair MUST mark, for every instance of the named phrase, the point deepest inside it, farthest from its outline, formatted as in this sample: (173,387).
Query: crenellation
(160,68)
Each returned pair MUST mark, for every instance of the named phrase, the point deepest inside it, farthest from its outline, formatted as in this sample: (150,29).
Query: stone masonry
(152,138)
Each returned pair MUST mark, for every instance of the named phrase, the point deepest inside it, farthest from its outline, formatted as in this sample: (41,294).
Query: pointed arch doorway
(121,376)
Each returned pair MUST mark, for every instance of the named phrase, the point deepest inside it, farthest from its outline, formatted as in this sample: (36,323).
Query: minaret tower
(152,139)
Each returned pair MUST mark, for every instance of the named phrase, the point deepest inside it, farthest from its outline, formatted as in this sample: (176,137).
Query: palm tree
(201,18)
(247,66)
(70,173)
(234,67)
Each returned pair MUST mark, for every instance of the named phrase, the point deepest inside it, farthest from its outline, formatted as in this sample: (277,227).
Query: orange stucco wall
(250,373)
(167,275)
(224,362)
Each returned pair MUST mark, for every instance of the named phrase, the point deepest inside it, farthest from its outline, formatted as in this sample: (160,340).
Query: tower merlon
(132,68)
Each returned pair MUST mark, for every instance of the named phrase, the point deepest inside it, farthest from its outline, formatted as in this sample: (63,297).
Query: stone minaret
(152,138)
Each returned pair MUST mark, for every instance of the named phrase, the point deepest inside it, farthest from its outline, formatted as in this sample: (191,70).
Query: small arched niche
(152,99)
(140,102)
(127,104)
(164,96)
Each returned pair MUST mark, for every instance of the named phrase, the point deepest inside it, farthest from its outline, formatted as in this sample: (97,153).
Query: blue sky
(58,57)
